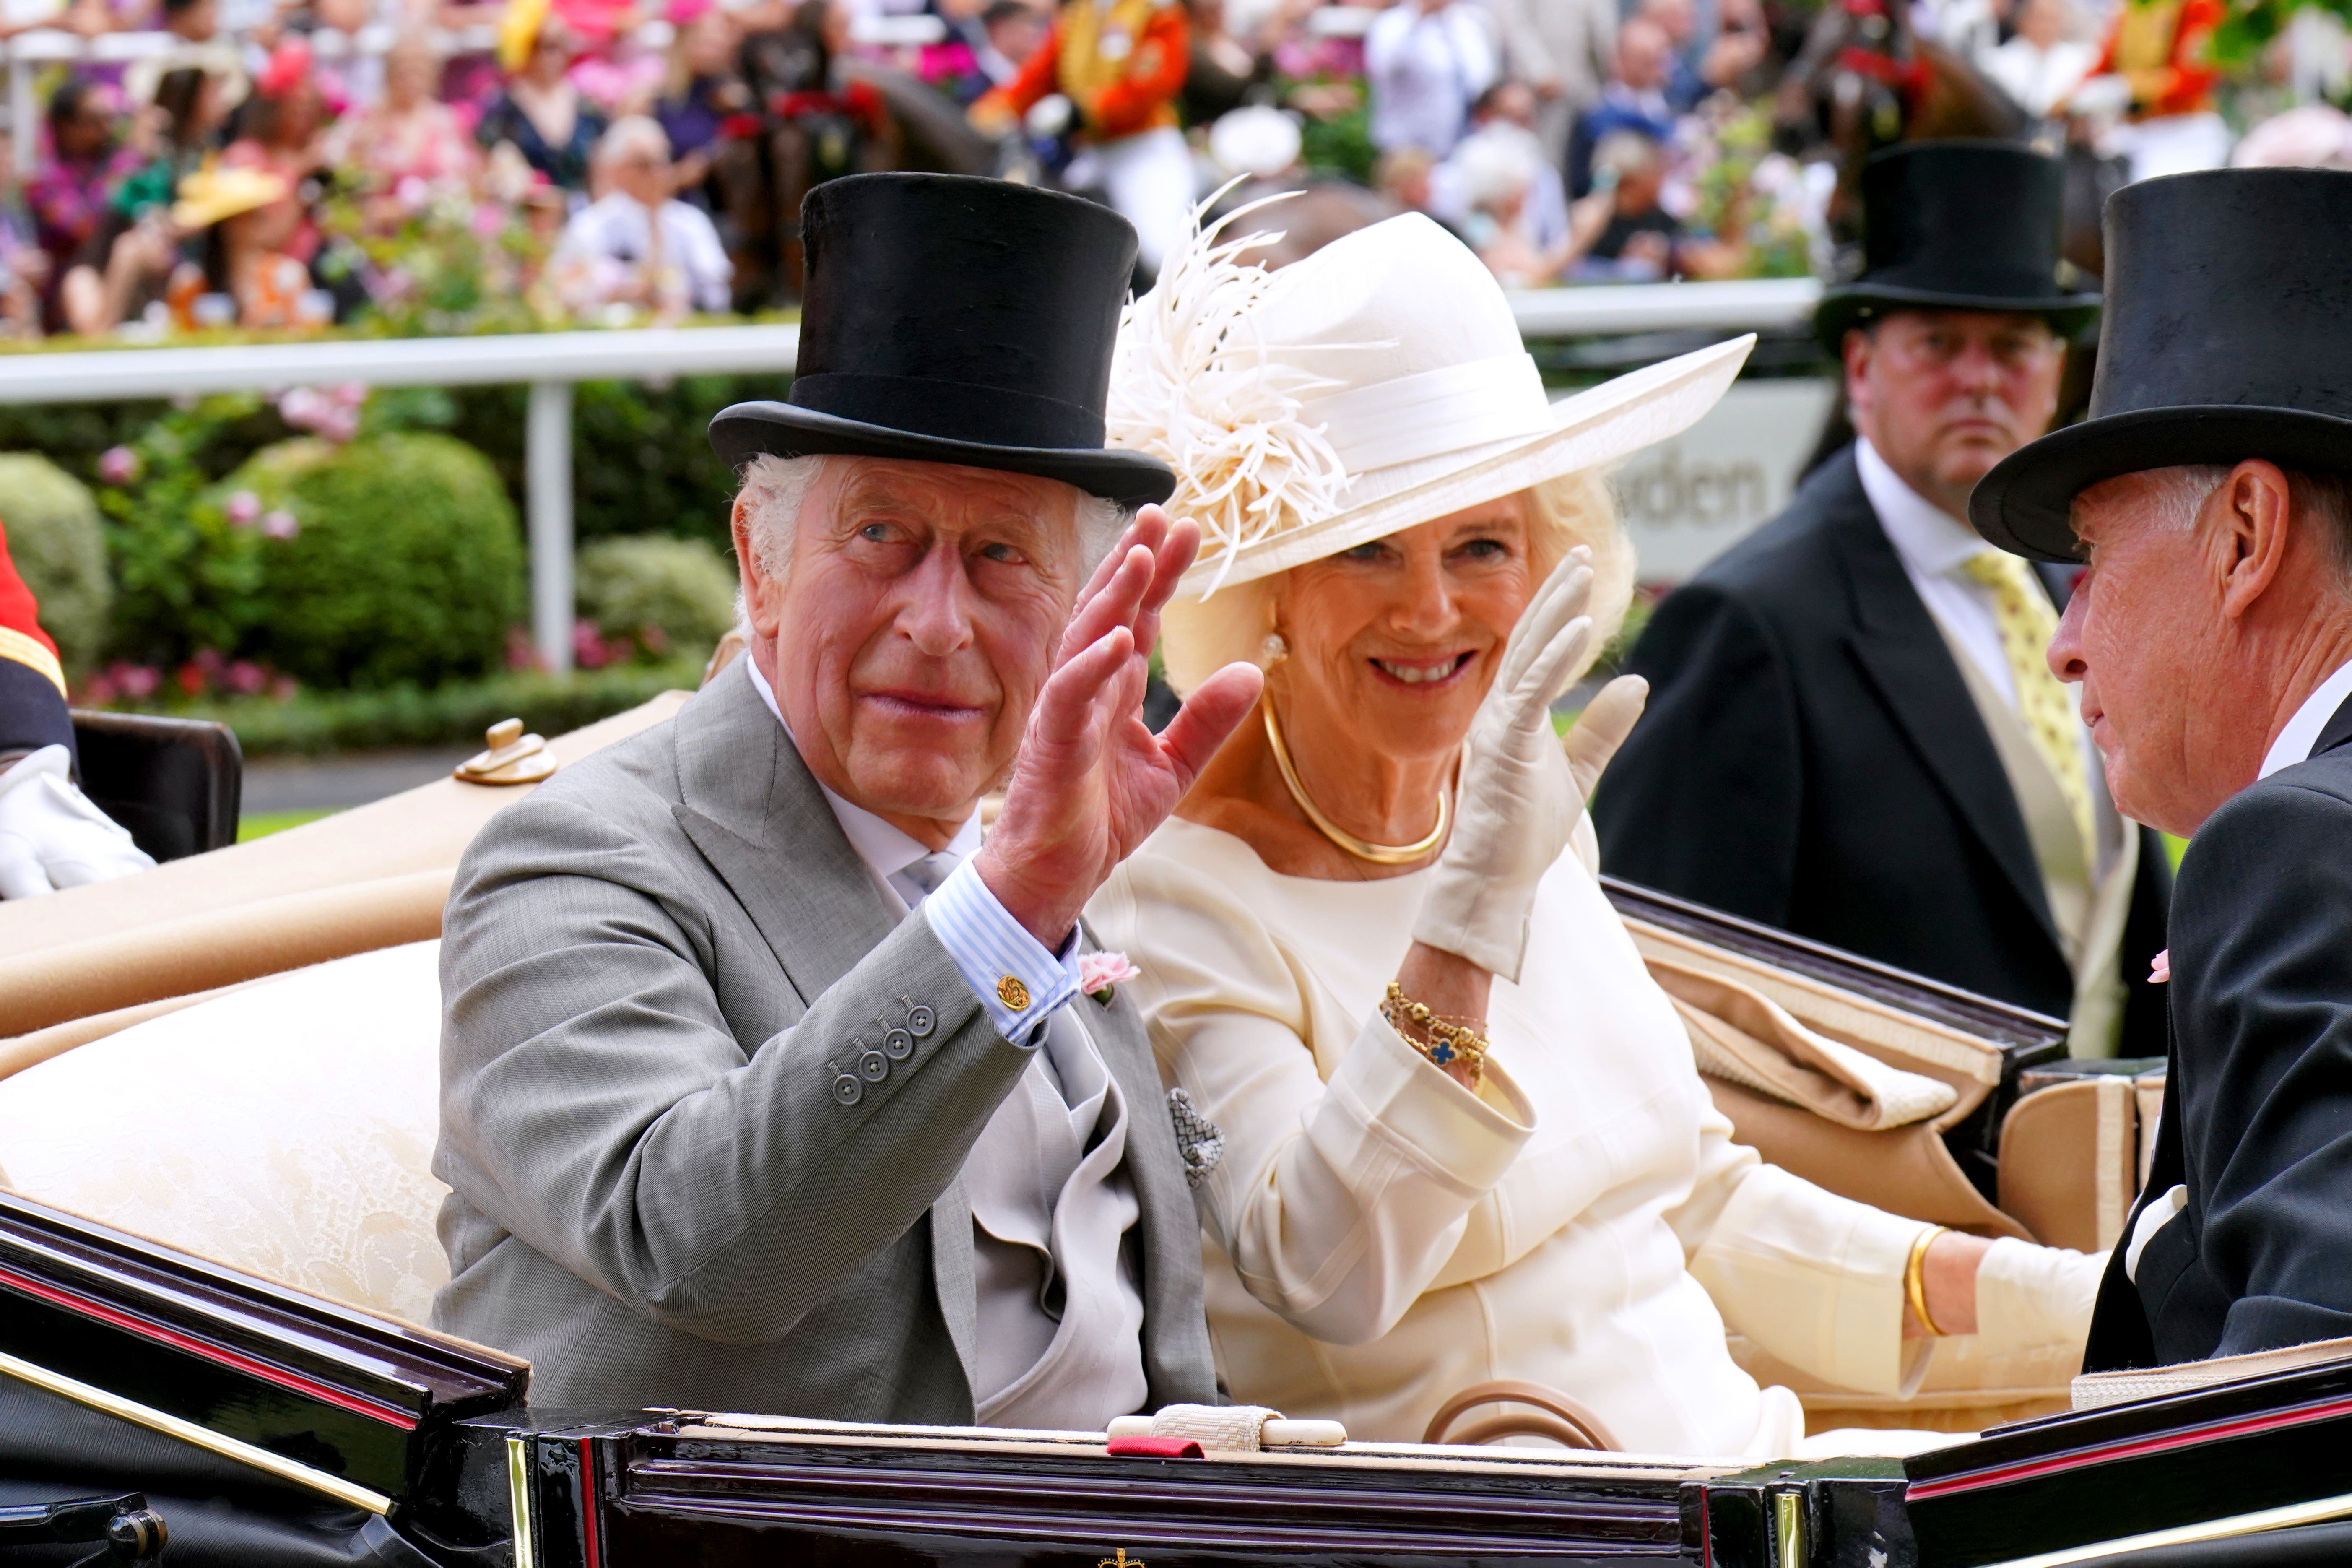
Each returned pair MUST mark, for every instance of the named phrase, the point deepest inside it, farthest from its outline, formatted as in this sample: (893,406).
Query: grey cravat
(919,879)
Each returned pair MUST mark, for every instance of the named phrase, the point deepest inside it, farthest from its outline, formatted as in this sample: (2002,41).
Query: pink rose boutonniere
(1099,973)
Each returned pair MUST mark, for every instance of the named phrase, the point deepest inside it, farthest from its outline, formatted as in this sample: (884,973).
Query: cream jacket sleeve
(1338,1202)
(1814,1279)
(1817,1279)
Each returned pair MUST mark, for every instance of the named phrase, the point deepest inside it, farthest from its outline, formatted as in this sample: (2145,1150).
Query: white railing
(552,363)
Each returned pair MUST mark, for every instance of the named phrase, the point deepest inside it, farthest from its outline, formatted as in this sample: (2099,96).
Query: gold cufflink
(1012,994)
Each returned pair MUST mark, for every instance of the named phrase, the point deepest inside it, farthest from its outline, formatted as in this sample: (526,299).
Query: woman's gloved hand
(1519,799)
(1599,731)
(1602,727)
(2029,1297)
(51,836)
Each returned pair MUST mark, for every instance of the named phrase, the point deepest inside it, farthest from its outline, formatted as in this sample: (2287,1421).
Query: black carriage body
(716,1491)
(269,1426)
(2239,1472)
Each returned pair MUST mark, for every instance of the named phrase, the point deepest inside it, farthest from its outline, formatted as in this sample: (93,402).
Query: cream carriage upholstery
(286,1129)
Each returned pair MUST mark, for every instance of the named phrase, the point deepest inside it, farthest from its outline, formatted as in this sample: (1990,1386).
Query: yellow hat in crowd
(518,32)
(214,193)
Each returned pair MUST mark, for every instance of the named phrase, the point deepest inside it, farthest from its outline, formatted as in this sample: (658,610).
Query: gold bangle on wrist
(1914,1285)
(1445,1042)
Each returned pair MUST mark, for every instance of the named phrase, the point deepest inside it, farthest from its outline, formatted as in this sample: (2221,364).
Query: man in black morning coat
(1850,734)
(2212,637)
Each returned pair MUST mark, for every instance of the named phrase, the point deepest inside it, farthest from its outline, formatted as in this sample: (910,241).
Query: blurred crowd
(447,165)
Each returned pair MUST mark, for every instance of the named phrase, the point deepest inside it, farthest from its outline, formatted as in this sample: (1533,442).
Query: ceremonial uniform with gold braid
(32,683)
(1120,64)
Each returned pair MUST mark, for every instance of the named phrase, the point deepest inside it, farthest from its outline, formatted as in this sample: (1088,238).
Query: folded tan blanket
(22,1051)
(206,950)
(420,829)
(1737,1034)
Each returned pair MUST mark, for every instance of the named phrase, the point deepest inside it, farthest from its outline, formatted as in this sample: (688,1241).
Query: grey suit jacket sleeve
(596,1104)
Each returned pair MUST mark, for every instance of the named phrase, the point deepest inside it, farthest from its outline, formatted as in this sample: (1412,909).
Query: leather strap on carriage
(1562,1419)
(1218,1429)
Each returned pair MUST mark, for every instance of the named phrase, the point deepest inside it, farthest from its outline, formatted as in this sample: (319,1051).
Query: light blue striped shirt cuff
(998,958)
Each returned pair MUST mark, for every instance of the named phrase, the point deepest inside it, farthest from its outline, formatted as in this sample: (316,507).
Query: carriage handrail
(551,363)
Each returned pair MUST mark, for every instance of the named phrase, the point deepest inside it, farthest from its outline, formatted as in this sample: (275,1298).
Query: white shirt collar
(886,848)
(2302,731)
(1931,540)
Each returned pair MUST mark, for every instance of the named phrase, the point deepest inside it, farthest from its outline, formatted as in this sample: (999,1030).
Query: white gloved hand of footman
(1519,799)
(51,836)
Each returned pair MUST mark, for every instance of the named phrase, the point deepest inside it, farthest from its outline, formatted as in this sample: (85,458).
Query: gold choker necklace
(1361,848)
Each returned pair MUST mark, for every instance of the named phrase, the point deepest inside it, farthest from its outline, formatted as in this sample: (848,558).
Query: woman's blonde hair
(1198,638)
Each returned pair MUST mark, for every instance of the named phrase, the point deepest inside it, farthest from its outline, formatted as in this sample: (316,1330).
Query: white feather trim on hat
(1192,383)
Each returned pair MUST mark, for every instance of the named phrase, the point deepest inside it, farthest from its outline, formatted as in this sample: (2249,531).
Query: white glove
(2031,1297)
(1602,727)
(1599,731)
(1518,800)
(51,834)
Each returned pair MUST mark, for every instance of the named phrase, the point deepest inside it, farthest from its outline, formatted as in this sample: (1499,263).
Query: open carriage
(220,1244)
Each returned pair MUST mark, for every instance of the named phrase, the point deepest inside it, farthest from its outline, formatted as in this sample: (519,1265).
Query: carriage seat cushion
(286,1129)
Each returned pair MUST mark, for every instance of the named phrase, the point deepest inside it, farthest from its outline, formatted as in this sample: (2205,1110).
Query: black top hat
(2227,336)
(955,320)
(1957,226)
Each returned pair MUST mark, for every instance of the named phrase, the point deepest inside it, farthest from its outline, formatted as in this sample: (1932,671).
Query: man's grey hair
(775,489)
(2177,497)
(633,134)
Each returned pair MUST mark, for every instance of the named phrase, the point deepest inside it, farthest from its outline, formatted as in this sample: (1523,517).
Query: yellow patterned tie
(2023,611)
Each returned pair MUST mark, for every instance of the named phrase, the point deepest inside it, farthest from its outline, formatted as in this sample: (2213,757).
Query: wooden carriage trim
(589,1543)
(189,1432)
(2131,1448)
(2318,1511)
(74,1300)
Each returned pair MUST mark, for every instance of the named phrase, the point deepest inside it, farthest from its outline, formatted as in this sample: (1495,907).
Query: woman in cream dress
(1418,548)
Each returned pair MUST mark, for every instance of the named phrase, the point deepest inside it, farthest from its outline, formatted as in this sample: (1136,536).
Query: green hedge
(406,568)
(661,593)
(454,714)
(641,459)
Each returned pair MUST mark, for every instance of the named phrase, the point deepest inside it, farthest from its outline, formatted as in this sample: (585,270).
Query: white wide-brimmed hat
(1379,384)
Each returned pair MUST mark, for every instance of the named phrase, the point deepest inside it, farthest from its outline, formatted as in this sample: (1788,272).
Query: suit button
(922,1021)
(873,1066)
(847,1091)
(897,1045)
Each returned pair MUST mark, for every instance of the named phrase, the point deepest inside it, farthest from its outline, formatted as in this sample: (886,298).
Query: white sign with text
(1685,502)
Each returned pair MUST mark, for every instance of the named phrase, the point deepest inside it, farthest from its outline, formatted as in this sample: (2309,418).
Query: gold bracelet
(1914,1287)
(1448,1042)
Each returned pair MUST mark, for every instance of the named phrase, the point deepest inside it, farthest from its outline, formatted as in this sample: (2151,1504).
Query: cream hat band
(1438,411)
(1376,384)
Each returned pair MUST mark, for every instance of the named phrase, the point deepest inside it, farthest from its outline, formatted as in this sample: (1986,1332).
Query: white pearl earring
(1274,650)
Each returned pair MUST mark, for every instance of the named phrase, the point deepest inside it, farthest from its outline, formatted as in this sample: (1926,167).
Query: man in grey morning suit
(725,1124)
